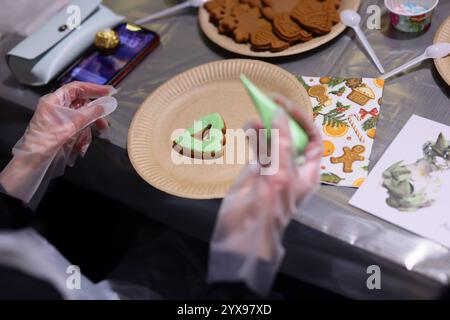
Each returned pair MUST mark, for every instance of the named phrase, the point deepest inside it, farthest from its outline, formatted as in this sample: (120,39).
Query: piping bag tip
(267,108)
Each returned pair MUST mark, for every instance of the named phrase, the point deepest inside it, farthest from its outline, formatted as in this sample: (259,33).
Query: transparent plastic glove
(57,134)
(28,252)
(247,240)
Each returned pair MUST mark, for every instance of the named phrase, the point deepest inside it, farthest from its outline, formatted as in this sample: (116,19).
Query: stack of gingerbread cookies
(273,25)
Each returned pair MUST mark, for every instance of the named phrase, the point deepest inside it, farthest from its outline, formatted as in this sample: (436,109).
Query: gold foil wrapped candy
(107,41)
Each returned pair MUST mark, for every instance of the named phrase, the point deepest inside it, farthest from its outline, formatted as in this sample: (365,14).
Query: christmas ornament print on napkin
(346,110)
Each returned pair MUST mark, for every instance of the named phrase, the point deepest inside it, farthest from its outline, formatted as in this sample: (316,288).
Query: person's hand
(58,133)
(258,208)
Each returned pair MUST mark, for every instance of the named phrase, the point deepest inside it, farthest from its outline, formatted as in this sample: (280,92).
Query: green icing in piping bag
(267,108)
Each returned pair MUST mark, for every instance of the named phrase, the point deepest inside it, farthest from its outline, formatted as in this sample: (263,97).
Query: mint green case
(46,53)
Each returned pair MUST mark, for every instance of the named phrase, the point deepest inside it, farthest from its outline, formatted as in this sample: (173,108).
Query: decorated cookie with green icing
(205,140)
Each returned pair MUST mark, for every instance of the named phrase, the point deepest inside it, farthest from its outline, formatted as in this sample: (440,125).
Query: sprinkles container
(411,15)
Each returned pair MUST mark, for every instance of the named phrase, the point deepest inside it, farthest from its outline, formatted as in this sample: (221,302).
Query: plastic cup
(407,20)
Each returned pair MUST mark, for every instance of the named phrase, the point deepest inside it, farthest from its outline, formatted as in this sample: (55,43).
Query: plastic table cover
(331,244)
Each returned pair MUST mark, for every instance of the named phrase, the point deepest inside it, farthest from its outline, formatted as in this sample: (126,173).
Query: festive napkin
(346,111)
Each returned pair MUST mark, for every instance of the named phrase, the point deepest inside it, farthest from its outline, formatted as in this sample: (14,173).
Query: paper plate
(244,49)
(443,65)
(210,88)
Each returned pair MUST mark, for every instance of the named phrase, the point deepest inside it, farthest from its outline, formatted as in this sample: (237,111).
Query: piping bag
(267,108)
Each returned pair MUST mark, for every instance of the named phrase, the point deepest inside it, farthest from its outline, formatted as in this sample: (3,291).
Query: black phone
(135,44)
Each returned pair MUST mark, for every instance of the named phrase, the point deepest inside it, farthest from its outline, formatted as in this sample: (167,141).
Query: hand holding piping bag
(247,241)
(267,108)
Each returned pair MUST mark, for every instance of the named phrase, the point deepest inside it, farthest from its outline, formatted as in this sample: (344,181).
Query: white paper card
(415,193)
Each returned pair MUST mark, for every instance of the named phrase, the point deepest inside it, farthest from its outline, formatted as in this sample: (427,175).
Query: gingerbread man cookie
(349,157)
(247,24)
(218,9)
(240,22)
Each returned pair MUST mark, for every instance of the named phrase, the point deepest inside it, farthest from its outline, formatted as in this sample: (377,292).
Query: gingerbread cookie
(331,8)
(274,7)
(291,21)
(246,24)
(253,3)
(314,5)
(279,12)
(336,3)
(312,16)
(265,39)
(328,8)
(206,140)
(349,157)
(242,22)
(288,30)
(218,9)
(210,5)
(238,15)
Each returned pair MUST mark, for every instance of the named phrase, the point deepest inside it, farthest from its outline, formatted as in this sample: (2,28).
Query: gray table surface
(331,244)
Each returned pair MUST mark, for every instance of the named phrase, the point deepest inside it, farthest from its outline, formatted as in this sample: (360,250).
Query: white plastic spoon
(352,19)
(171,10)
(435,51)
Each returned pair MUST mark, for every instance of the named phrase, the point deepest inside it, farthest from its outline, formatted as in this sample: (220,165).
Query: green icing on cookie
(205,140)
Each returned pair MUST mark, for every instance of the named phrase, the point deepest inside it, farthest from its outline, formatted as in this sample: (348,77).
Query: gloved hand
(58,132)
(247,240)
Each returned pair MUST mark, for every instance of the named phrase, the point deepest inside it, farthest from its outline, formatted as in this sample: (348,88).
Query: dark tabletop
(331,244)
